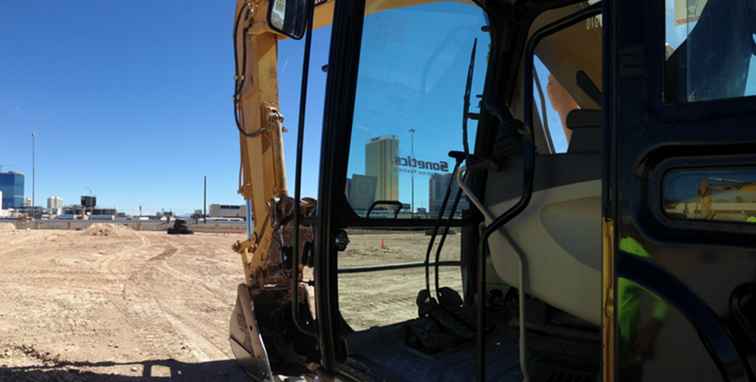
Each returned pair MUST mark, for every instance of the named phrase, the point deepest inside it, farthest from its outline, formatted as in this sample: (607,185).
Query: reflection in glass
(409,104)
(713,194)
(567,77)
(637,335)
(710,49)
(656,342)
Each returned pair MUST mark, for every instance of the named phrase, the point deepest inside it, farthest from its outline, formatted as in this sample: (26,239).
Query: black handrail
(394,203)
(393,267)
(436,226)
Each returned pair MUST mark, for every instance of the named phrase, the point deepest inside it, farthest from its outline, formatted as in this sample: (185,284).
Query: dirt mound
(103,229)
(5,227)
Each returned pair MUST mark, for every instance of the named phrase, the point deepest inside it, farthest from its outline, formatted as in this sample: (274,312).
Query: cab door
(679,202)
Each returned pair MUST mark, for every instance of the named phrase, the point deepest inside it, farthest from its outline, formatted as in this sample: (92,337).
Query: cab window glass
(553,103)
(711,194)
(409,105)
(709,50)
(567,84)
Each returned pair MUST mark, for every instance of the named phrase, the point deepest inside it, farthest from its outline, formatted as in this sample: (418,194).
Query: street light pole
(412,148)
(34,173)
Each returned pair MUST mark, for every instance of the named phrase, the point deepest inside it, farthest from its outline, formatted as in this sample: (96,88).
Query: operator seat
(559,233)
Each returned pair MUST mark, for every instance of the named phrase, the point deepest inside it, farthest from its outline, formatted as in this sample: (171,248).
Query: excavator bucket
(246,339)
(264,338)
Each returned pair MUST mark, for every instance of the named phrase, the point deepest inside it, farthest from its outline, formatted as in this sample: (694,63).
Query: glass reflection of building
(12,187)
(380,154)
(437,189)
(361,192)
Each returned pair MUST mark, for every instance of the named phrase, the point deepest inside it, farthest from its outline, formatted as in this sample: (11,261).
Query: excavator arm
(264,299)
(260,124)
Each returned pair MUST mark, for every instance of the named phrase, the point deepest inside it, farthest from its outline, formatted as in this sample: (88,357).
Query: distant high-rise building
(361,192)
(27,202)
(380,154)
(12,187)
(55,203)
(437,187)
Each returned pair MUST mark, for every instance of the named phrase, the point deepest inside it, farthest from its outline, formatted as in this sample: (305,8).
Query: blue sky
(130,99)
(133,99)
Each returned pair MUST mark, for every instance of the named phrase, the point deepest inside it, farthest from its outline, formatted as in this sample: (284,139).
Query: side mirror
(288,17)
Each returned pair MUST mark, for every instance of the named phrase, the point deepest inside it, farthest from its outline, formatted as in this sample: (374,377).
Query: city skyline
(12,188)
(22,197)
(137,115)
(384,166)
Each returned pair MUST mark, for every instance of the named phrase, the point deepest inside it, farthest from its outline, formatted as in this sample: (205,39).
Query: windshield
(409,104)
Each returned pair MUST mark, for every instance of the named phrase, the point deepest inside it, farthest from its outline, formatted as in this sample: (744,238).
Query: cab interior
(558,235)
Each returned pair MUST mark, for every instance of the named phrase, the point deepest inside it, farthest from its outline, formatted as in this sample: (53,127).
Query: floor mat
(383,351)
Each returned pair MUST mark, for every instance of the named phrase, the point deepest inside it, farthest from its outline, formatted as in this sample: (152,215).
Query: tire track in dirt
(136,307)
(153,283)
(11,245)
(118,297)
(193,330)
(167,252)
(127,254)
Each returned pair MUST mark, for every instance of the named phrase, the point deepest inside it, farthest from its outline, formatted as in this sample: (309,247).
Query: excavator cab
(506,190)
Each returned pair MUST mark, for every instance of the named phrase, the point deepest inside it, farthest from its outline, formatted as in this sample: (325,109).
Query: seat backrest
(585,125)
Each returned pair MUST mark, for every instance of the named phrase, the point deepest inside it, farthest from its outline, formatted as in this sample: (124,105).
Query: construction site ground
(112,304)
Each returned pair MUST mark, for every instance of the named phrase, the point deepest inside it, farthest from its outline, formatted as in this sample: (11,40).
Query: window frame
(656,192)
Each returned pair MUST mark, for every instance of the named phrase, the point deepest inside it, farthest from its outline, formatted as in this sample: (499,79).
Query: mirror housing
(288,17)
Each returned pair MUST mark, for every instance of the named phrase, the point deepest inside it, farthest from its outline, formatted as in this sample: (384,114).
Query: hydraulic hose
(298,176)
(443,238)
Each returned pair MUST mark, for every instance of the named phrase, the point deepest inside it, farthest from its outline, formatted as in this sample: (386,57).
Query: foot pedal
(450,301)
(426,335)
(429,308)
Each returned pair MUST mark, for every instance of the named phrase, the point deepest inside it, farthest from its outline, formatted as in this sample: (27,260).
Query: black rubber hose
(443,236)
(298,175)
(241,78)
(435,230)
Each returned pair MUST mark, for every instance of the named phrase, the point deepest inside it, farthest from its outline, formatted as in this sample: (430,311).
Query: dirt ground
(380,298)
(123,305)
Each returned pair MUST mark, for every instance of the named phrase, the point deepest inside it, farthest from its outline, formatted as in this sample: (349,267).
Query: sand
(113,304)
